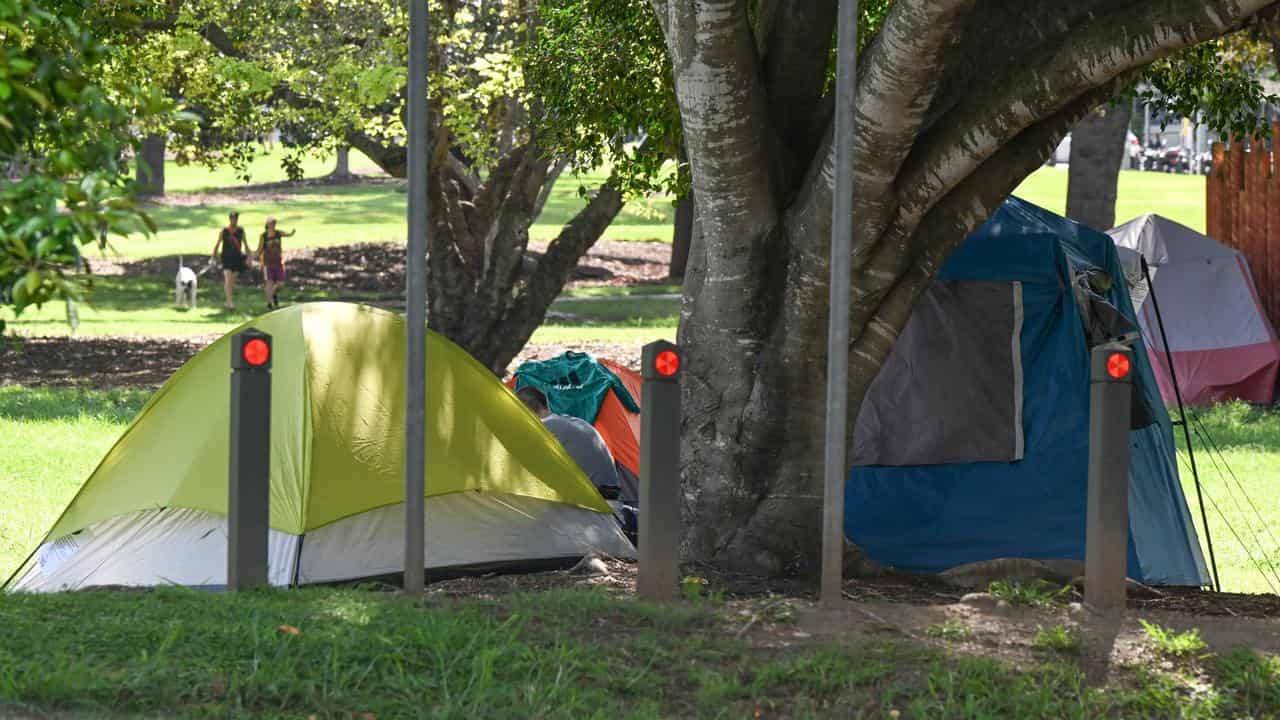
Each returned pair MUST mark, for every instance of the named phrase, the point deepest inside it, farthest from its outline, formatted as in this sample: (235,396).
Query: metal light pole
(415,455)
(835,459)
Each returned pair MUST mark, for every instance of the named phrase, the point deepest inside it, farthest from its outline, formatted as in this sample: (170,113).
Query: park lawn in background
(143,306)
(188,221)
(375,212)
(322,215)
(1241,485)
(265,168)
(641,219)
(1178,197)
(572,653)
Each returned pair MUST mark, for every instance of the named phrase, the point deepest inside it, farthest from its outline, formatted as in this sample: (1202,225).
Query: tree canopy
(65,124)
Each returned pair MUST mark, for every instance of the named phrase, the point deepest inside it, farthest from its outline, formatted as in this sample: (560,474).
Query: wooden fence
(1243,209)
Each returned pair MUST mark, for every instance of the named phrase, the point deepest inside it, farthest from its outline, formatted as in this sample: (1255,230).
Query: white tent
(1221,343)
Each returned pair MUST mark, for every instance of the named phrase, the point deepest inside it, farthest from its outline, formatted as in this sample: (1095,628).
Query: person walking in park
(271,253)
(230,250)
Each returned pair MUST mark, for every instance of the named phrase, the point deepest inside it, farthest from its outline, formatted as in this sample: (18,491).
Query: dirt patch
(95,362)
(625,354)
(784,613)
(379,267)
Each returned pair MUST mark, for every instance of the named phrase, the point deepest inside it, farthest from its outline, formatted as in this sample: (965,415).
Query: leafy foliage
(1058,639)
(598,73)
(1032,594)
(1217,79)
(63,134)
(1173,644)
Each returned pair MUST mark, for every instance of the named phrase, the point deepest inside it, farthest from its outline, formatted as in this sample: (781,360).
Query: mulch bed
(95,362)
(103,363)
(379,267)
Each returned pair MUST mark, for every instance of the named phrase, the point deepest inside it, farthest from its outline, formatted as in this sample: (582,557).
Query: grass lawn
(144,307)
(338,215)
(52,440)
(1241,492)
(376,213)
(265,168)
(1178,197)
(554,654)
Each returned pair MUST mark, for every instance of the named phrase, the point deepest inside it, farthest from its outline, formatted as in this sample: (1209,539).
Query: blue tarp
(928,518)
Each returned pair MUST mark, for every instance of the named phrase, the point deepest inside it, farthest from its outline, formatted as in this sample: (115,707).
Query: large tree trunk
(150,166)
(1097,153)
(958,100)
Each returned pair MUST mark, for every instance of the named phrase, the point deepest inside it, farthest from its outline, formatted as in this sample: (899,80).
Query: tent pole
(415,460)
(1182,420)
(836,456)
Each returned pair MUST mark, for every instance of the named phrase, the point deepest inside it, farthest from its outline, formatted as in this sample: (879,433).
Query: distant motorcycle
(1176,161)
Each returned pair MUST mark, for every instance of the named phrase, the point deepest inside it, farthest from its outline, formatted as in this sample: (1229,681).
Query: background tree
(63,134)
(335,72)
(959,100)
(1216,81)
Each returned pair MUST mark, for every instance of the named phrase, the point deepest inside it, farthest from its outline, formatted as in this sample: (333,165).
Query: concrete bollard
(1107,532)
(248,510)
(659,573)
(1107,535)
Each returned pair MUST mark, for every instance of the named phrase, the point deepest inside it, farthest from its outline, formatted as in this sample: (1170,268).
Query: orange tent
(619,427)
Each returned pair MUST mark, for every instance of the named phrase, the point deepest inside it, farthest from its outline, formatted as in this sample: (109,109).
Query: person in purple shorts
(271,253)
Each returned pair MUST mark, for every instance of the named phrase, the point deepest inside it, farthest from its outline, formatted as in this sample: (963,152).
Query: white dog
(184,287)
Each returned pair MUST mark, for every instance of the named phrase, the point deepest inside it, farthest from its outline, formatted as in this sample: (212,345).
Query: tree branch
(1105,46)
(797,45)
(553,269)
(896,84)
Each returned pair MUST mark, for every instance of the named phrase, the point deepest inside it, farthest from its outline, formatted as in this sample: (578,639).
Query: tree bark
(150,166)
(681,237)
(487,292)
(1097,154)
(342,166)
(958,100)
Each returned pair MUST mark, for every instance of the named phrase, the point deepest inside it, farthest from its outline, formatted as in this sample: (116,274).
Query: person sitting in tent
(580,440)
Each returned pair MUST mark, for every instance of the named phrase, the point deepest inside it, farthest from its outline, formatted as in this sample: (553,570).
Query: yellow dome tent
(500,489)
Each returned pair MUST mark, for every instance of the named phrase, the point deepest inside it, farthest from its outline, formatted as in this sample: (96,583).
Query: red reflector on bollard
(1118,365)
(256,352)
(667,363)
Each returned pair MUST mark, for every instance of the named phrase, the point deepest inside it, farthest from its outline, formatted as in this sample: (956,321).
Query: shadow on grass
(355,205)
(1236,425)
(48,404)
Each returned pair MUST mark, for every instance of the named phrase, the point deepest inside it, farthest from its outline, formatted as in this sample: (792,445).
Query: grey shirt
(586,447)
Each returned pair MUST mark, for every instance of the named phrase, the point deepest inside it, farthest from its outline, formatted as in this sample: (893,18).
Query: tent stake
(1182,420)
(415,452)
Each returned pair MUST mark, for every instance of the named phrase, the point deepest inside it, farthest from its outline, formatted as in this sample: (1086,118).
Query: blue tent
(972,443)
